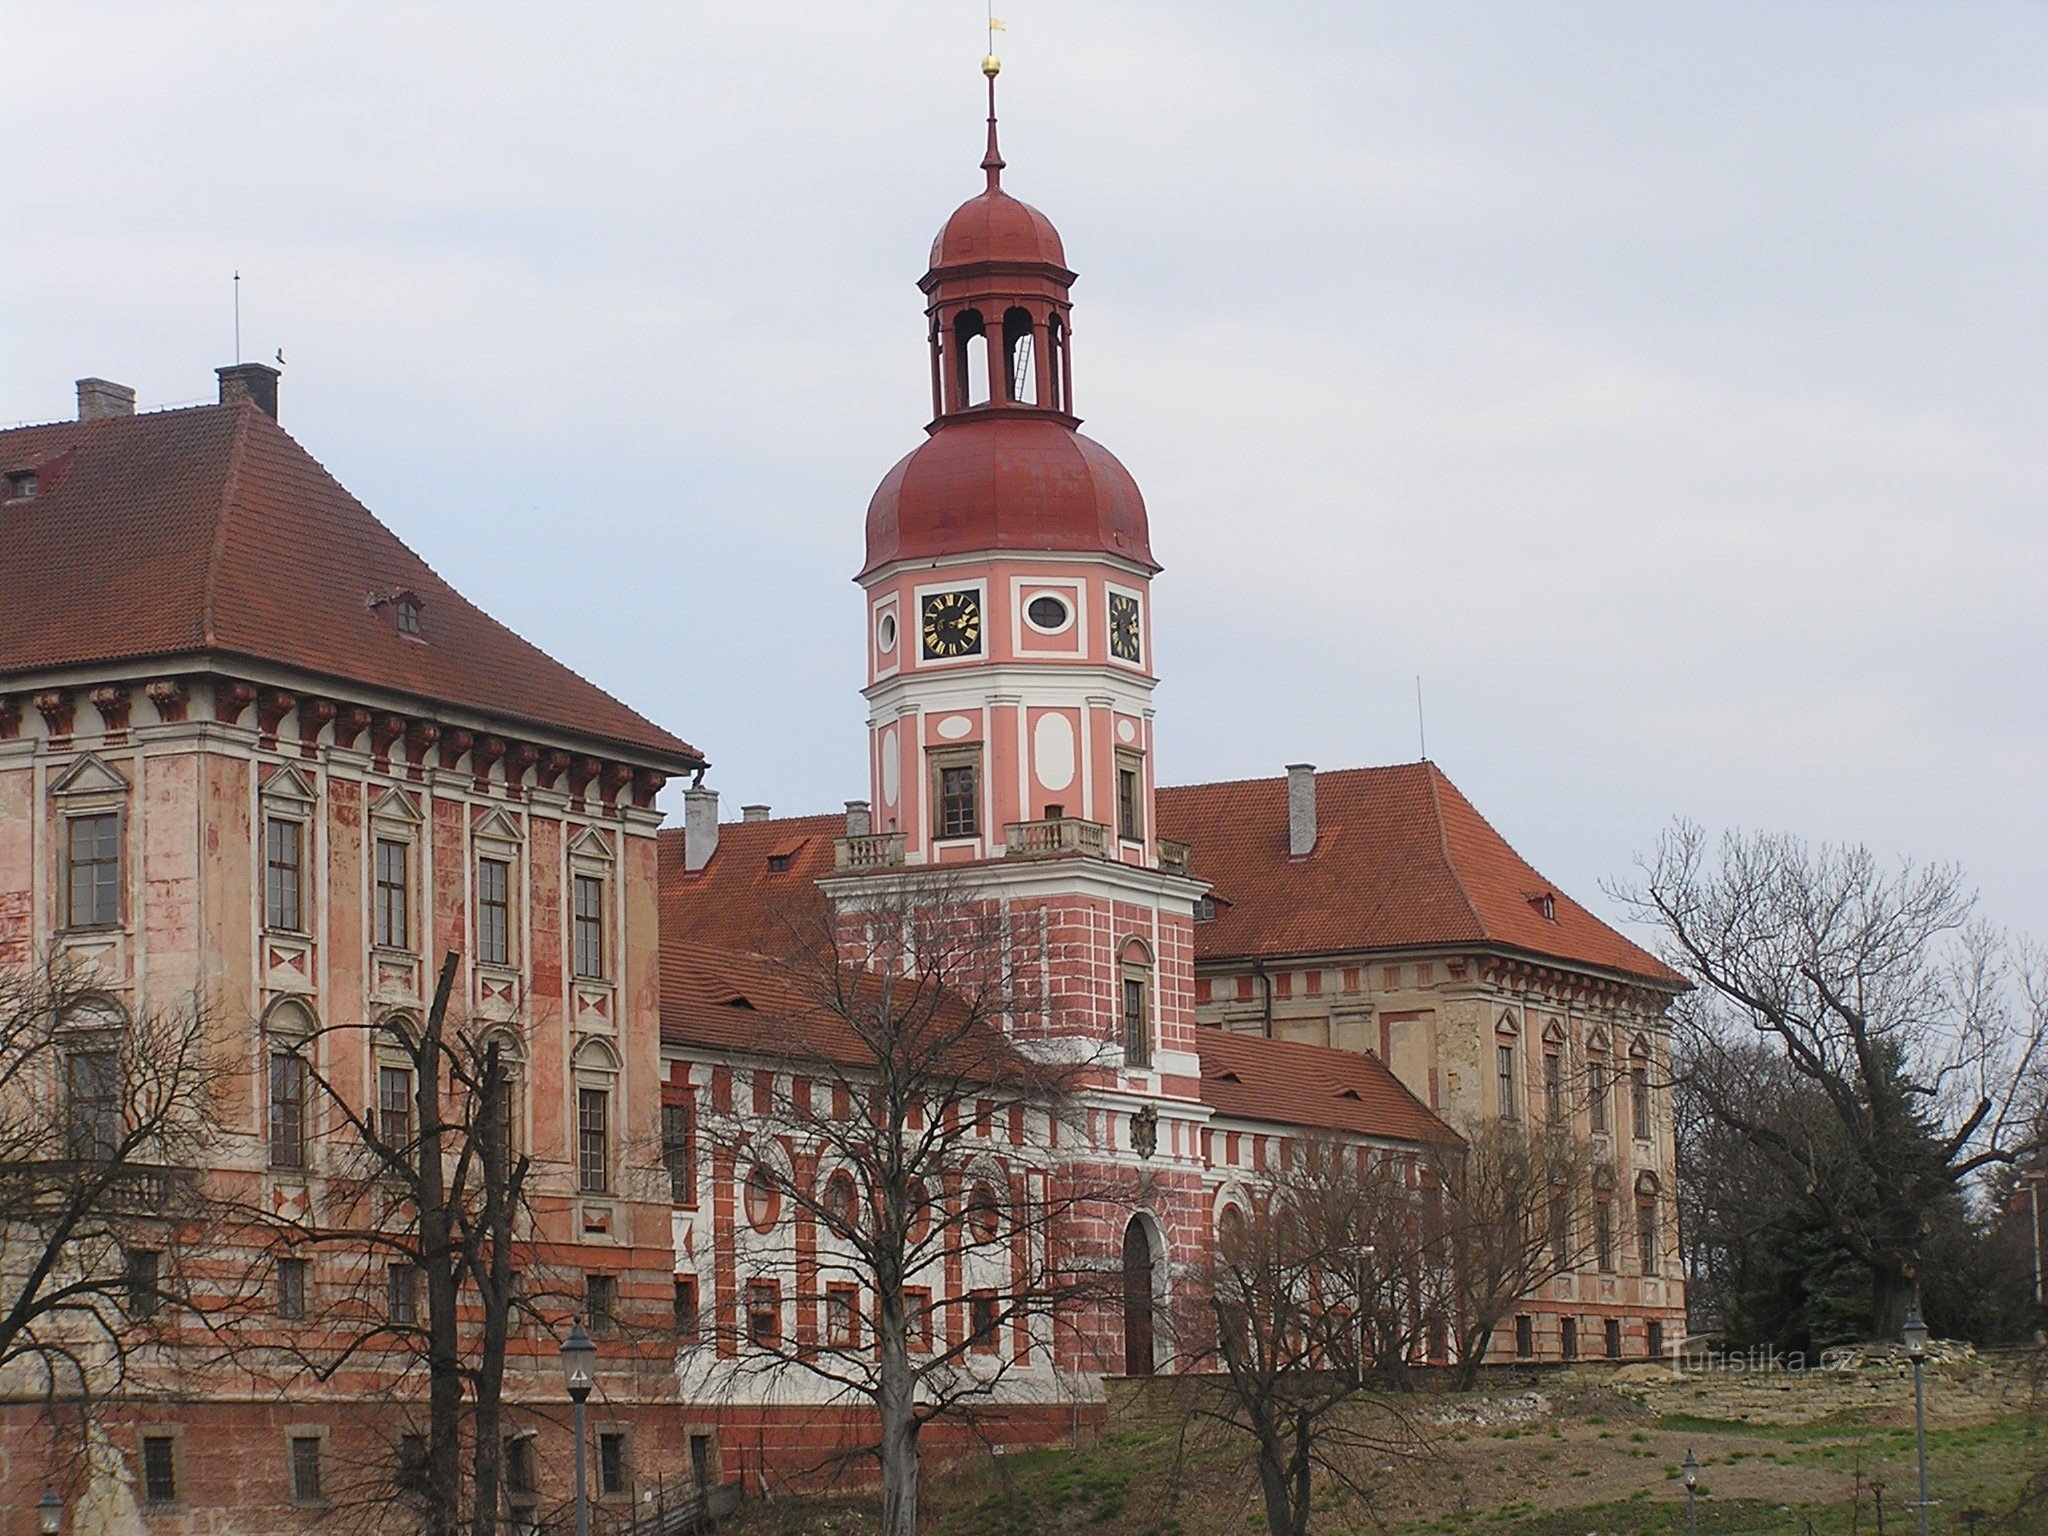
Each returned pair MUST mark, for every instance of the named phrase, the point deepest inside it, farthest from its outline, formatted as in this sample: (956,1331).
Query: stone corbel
(519,762)
(482,758)
(383,736)
(616,777)
(170,697)
(552,766)
(422,735)
(10,717)
(349,724)
(313,717)
(55,706)
(455,746)
(230,699)
(111,700)
(646,785)
(271,709)
(581,771)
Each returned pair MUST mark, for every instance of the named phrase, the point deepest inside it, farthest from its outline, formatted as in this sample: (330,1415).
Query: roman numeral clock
(951,624)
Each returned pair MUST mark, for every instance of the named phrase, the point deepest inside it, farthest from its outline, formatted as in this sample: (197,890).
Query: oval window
(1047,613)
(885,632)
(763,1200)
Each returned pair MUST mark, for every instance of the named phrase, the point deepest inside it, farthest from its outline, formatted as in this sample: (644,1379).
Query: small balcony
(141,1189)
(1173,857)
(1056,836)
(871,850)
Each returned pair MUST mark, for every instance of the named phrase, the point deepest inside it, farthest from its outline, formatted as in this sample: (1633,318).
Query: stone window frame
(290,1030)
(1136,965)
(293,1435)
(395,820)
(289,799)
(1507,1046)
(91,789)
(499,840)
(595,1068)
(1130,816)
(175,1435)
(941,760)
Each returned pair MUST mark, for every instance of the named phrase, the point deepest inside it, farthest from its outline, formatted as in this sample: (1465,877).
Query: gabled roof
(1286,1082)
(737,901)
(210,530)
(1401,860)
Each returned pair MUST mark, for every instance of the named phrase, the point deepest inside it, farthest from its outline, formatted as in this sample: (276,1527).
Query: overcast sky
(1663,383)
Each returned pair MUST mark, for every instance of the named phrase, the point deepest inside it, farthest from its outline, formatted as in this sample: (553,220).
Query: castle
(253,750)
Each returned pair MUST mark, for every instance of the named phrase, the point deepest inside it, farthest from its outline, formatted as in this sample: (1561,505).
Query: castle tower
(1010,675)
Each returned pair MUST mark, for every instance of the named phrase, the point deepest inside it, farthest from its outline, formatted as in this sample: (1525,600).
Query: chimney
(98,398)
(1301,808)
(250,381)
(753,813)
(700,826)
(858,822)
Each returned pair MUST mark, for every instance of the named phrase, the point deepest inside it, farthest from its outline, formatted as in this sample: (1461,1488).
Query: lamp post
(49,1511)
(579,1356)
(1692,1483)
(1915,1335)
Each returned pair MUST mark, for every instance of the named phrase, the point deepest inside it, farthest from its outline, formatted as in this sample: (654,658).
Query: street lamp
(49,1511)
(1692,1483)
(579,1358)
(1915,1335)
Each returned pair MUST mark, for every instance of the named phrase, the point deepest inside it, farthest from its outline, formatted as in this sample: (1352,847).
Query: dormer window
(1205,909)
(408,608)
(1545,904)
(21,484)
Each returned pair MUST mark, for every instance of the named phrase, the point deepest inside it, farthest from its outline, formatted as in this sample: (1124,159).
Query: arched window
(501,1100)
(393,1083)
(842,1203)
(1599,1072)
(95,1080)
(1646,1223)
(1020,362)
(984,1212)
(597,1074)
(288,1040)
(1141,1301)
(970,352)
(1639,1088)
(1056,362)
(1137,1003)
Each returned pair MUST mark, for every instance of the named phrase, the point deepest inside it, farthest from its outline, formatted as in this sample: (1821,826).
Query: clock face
(1124,634)
(952,625)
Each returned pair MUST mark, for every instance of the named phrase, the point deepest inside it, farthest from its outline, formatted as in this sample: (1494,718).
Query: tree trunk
(1277,1488)
(436,1251)
(897,1401)
(1472,1346)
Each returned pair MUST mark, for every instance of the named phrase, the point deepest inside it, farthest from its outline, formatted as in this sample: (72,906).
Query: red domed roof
(995,226)
(1017,481)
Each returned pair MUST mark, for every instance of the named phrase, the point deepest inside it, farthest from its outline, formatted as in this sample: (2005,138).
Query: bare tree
(1915,1032)
(1305,1286)
(107,1116)
(424,1205)
(895,1139)
(1509,1207)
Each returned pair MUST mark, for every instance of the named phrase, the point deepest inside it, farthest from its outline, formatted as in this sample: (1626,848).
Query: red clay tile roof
(1401,859)
(736,902)
(1285,1082)
(210,530)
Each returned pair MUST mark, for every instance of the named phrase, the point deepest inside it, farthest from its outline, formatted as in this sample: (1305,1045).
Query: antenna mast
(238,314)
(1421,732)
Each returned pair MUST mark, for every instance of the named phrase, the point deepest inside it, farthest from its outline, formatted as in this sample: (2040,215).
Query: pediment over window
(90,776)
(397,805)
(591,844)
(498,827)
(287,783)
(1553,1033)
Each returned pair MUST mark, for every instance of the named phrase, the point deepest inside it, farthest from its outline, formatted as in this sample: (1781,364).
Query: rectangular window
(1137,1027)
(1603,1235)
(493,912)
(679,1150)
(306,1469)
(402,1294)
(411,1476)
(1646,1236)
(917,1318)
(159,1469)
(1130,797)
(959,800)
(1639,1094)
(1553,1088)
(519,1465)
(145,1272)
(589,927)
(283,874)
(287,1110)
(291,1289)
(1525,1337)
(1613,1338)
(394,894)
(842,1317)
(93,870)
(1653,1340)
(601,1303)
(1504,1065)
(593,1140)
(394,1107)
(1560,1227)
(1568,1338)
(981,1322)
(611,1461)
(98,1119)
(764,1313)
(688,1329)
(1596,1096)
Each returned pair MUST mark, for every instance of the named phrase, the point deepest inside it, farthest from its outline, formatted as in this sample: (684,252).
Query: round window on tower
(885,633)
(1048,614)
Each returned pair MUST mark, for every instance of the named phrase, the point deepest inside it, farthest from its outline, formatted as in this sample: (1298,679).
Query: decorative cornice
(230,699)
(55,705)
(170,697)
(111,700)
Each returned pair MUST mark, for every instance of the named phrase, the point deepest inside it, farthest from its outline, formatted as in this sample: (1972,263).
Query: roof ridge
(1281,778)
(1430,776)
(217,554)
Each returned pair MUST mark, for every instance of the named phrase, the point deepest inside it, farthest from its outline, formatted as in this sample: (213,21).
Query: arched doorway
(1138,1298)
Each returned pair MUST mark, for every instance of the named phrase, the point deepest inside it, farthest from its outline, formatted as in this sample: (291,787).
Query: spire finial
(992,162)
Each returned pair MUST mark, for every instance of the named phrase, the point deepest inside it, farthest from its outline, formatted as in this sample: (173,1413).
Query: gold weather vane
(992,66)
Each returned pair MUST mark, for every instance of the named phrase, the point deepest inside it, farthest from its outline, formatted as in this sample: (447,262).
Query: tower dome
(1005,467)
